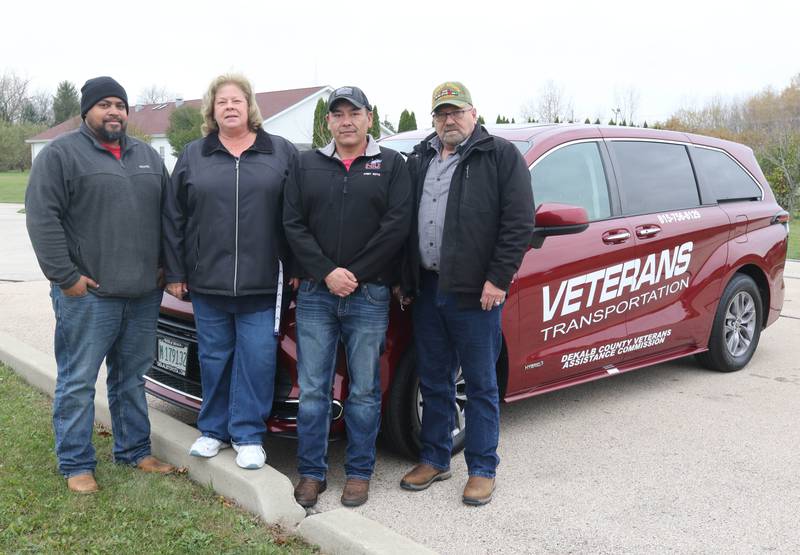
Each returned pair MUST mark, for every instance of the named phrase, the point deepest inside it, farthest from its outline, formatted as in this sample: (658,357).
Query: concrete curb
(347,533)
(265,492)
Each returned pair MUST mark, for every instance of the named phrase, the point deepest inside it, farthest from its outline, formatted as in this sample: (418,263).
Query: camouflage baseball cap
(451,92)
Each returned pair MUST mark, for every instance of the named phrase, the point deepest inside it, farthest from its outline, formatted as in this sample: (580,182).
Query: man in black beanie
(93,210)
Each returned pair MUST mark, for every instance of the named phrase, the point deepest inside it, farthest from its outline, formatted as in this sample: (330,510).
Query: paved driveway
(671,458)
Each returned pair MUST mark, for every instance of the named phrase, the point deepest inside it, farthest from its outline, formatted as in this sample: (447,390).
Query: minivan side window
(653,177)
(573,175)
(726,178)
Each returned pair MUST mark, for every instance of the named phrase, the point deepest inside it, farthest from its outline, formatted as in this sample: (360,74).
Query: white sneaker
(207,447)
(250,456)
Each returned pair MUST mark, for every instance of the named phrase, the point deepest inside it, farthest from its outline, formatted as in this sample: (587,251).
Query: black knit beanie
(95,90)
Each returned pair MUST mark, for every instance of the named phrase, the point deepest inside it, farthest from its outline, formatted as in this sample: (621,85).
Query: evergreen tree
(375,130)
(389,125)
(623,123)
(645,124)
(413,121)
(587,120)
(184,127)
(481,121)
(612,122)
(404,124)
(556,120)
(512,120)
(66,102)
(597,121)
(321,134)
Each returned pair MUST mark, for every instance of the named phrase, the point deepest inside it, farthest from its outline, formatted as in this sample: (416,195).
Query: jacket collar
(124,142)
(373,149)
(263,143)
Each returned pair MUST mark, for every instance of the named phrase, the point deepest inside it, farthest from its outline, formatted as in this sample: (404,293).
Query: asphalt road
(671,458)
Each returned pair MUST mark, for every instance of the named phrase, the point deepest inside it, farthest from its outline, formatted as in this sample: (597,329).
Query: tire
(737,326)
(402,420)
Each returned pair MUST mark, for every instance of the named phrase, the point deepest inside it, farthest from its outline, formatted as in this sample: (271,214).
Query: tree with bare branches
(154,94)
(13,93)
(550,106)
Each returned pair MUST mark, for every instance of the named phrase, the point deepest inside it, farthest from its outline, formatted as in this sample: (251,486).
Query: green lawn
(794,237)
(133,513)
(12,186)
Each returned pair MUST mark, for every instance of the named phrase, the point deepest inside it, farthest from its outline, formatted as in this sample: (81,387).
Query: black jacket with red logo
(357,219)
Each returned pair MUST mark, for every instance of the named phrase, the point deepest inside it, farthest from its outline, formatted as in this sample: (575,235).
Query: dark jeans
(360,321)
(446,336)
(89,329)
(237,367)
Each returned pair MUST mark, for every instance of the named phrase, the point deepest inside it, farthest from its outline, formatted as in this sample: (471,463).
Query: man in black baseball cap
(347,212)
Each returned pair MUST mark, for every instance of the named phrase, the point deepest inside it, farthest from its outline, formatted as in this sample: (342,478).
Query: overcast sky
(673,54)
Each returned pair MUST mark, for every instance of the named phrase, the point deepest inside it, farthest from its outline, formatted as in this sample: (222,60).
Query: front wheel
(402,420)
(737,326)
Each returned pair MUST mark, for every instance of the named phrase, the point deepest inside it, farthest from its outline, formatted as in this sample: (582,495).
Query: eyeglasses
(457,115)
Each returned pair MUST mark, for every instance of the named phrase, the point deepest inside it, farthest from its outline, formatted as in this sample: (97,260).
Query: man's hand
(341,282)
(295,283)
(178,289)
(491,296)
(402,299)
(80,287)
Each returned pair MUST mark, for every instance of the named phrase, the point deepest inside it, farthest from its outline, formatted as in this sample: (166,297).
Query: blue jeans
(360,321)
(88,329)
(237,368)
(446,336)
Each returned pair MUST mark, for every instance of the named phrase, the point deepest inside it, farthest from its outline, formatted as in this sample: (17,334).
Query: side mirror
(558,219)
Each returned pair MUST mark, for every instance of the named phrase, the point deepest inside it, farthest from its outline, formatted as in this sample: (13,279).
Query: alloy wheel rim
(740,323)
(458,408)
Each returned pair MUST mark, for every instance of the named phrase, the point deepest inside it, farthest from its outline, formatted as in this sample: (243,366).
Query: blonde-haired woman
(224,242)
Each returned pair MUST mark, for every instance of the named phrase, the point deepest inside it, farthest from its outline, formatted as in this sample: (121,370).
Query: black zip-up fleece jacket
(91,214)
(222,219)
(357,219)
(488,220)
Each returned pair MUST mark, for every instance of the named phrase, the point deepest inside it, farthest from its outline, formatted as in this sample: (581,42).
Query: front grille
(176,382)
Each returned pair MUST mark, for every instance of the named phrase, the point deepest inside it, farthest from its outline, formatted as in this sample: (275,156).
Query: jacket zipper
(236,240)
(341,221)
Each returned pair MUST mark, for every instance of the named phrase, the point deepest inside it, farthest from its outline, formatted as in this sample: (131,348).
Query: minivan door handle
(649,230)
(615,236)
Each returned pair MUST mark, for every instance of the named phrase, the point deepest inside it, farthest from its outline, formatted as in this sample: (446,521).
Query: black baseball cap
(353,95)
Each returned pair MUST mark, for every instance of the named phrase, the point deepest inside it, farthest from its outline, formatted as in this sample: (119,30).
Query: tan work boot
(82,483)
(422,476)
(355,493)
(152,464)
(307,491)
(478,490)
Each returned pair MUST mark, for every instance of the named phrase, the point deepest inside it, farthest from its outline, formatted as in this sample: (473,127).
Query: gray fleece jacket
(91,214)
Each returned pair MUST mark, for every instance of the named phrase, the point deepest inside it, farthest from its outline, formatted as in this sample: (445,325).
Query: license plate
(172,355)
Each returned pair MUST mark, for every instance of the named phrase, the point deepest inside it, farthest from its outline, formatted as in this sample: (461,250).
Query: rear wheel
(402,420)
(737,326)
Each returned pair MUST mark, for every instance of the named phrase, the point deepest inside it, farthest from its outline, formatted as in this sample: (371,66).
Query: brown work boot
(355,493)
(478,490)
(152,464)
(307,491)
(422,476)
(82,483)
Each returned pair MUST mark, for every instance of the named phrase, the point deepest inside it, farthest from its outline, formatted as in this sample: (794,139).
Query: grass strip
(134,512)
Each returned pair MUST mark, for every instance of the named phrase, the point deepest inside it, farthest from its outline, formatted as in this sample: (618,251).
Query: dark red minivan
(649,246)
